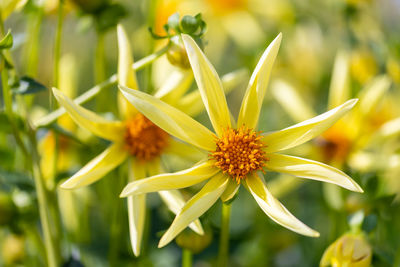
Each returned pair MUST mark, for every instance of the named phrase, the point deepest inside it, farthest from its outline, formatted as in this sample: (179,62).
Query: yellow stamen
(144,139)
(239,152)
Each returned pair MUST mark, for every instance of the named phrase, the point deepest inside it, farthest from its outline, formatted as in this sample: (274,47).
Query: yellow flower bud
(363,65)
(177,56)
(350,250)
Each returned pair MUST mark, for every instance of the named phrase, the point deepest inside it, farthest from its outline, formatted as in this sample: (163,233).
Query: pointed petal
(168,181)
(171,120)
(273,208)
(175,202)
(254,96)
(136,216)
(196,206)
(291,101)
(192,104)
(210,86)
(230,191)
(339,90)
(126,74)
(372,94)
(97,167)
(306,130)
(183,150)
(389,129)
(110,130)
(137,170)
(177,84)
(310,169)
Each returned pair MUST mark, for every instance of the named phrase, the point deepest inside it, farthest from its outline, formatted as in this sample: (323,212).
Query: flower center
(144,139)
(335,144)
(239,152)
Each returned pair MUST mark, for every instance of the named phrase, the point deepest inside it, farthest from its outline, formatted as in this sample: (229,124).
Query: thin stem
(92,92)
(99,59)
(223,252)
(50,241)
(57,43)
(32,44)
(187,258)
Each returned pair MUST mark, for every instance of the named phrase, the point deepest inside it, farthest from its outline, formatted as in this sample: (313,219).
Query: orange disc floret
(239,152)
(144,139)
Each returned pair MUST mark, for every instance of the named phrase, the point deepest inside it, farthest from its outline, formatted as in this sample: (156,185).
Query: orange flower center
(239,152)
(144,139)
(335,145)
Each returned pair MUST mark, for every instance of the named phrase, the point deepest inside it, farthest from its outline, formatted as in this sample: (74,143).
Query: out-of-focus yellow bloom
(350,250)
(13,249)
(237,153)
(9,6)
(136,138)
(393,69)
(363,65)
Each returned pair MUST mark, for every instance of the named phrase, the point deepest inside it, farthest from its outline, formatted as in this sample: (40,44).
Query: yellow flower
(350,250)
(8,6)
(237,154)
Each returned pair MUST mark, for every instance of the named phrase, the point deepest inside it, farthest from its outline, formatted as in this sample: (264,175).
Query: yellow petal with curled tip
(310,169)
(254,96)
(196,206)
(273,208)
(126,74)
(175,202)
(339,90)
(306,130)
(97,167)
(168,181)
(191,103)
(210,86)
(136,216)
(291,101)
(170,119)
(110,130)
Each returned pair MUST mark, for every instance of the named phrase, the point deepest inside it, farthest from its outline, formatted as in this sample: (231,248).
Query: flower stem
(187,258)
(223,252)
(99,59)
(92,92)
(50,241)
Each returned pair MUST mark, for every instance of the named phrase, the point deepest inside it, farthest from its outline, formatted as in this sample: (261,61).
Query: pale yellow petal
(137,170)
(196,206)
(175,202)
(306,130)
(137,217)
(183,150)
(176,85)
(310,169)
(110,130)
(192,104)
(291,101)
(230,191)
(168,181)
(389,129)
(339,90)
(273,208)
(210,86)
(372,94)
(171,120)
(126,74)
(97,167)
(254,96)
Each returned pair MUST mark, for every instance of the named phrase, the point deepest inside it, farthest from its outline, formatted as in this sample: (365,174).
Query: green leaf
(109,16)
(60,130)
(5,125)
(369,223)
(10,180)
(7,41)
(28,86)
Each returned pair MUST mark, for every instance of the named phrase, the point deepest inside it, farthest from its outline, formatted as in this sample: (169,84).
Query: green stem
(187,258)
(32,44)
(99,59)
(50,240)
(92,92)
(57,43)
(223,252)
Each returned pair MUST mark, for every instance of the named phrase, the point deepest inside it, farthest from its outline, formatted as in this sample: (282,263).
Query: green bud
(177,55)
(189,24)
(194,242)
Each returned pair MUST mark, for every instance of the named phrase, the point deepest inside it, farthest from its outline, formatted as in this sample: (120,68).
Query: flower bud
(194,242)
(350,250)
(177,55)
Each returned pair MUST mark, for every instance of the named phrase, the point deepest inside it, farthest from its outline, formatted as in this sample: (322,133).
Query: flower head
(237,154)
